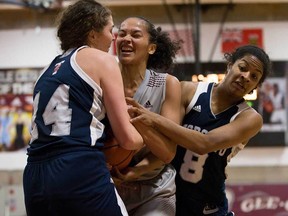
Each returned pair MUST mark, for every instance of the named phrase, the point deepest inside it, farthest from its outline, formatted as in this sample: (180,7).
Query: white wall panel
(37,47)
(27,47)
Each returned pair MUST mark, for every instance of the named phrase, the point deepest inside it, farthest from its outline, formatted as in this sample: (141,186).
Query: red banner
(233,38)
(258,200)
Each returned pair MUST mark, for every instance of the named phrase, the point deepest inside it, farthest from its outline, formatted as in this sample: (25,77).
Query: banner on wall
(258,199)
(16,89)
(235,37)
(272,105)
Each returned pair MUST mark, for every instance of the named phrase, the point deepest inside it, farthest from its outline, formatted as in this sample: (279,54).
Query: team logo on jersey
(57,66)
(197,108)
(210,209)
(148,105)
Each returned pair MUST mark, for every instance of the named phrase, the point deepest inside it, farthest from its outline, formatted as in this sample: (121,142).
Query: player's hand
(117,181)
(131,103)
(127,175)
(139,113)
(109,166)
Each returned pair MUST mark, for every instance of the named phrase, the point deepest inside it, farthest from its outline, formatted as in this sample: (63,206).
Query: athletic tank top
(203,176)
(150,94)
(68,108)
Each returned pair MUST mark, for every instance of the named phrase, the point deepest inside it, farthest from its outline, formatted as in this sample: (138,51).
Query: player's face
(132,42)
(244,75)
(104,38)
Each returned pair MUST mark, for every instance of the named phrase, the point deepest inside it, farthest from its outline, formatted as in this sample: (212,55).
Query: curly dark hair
(256,51)
(78,20)
(166,50)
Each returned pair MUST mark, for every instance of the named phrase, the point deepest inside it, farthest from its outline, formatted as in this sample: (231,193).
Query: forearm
(158,143)
(149,163)
(187,138)
(192,140)
(226,136)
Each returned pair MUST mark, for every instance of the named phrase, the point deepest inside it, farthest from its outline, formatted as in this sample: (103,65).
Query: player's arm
(104,70)
(159,144)
(246,125)
(114,100)
(148,164)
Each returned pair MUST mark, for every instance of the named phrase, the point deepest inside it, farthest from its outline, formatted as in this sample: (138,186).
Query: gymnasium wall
(35,47)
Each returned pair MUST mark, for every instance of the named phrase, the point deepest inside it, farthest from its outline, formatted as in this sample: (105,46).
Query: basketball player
(147,186)
(66,173)
(217,124)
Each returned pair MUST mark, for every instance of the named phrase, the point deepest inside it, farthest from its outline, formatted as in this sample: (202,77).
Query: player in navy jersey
(66,172)
(217,123)
(147,186)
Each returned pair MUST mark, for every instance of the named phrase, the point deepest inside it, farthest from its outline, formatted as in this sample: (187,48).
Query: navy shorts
(186,206)
(74,184)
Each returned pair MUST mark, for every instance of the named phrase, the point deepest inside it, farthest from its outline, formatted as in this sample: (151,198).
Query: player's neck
(132,75)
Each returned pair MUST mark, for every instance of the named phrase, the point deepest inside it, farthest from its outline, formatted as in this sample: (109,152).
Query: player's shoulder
(172,78)
(189,86)
(97,54)
(255,119)
(172,81)
(188,89)
(97,59)
(97,64)
(250,112)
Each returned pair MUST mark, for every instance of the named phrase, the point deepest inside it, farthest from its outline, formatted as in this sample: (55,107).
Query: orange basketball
(117,156)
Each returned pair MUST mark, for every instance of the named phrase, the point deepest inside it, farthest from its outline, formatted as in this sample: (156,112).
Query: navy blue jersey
(68,108)
(66,173)
(202,177)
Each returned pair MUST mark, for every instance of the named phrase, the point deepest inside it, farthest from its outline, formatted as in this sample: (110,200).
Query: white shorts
(151,197)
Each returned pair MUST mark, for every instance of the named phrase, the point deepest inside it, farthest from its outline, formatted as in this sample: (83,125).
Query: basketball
(117,156)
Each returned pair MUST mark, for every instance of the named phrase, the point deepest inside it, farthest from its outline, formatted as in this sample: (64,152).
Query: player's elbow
(211,143)
(169,155)
(203,147)
(201,151)
(169,159)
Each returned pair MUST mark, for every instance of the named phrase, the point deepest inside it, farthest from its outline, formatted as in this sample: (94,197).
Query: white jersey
(150,94)
(153,193)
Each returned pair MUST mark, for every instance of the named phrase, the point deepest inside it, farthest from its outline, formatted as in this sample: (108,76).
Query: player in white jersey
(66,172)
(147,186)
(217,123)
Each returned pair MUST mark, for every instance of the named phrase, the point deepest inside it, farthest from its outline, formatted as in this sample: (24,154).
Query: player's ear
(93,37)
(92,34)
(229,66)
(152,48)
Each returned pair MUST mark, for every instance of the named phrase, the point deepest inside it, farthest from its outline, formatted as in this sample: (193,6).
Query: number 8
(192,168)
